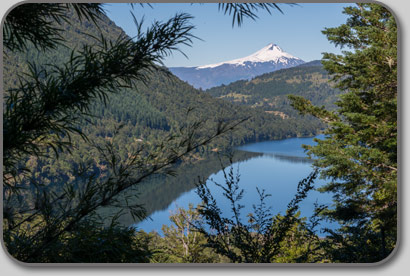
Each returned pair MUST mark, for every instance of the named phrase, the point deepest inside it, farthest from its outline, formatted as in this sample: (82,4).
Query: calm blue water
(278,171)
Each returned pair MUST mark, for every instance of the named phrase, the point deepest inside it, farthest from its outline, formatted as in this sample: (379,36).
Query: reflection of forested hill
(289,158)
(160,191)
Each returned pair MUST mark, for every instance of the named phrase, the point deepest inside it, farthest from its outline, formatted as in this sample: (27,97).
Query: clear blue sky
(297,31)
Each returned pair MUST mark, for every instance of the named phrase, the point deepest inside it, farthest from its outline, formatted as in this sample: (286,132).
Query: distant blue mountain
(268,59)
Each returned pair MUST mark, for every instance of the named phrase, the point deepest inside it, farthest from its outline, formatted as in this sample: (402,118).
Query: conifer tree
(359,152)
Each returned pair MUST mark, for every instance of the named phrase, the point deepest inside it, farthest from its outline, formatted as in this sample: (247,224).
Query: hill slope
(160,105)
(269,92)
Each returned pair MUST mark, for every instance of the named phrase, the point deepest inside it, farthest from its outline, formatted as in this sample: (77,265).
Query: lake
(275,166)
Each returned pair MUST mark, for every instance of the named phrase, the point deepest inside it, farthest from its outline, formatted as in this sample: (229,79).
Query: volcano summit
(268,59)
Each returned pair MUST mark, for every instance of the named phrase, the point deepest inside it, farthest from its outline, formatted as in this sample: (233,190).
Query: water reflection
(290,159)
(158,192)
(278,173)
(276,166)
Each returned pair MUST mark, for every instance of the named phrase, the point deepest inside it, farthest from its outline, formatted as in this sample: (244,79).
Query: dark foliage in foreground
(261,239)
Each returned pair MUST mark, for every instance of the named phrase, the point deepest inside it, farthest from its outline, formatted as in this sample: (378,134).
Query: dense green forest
(160,104)
(91,116)
(269,92)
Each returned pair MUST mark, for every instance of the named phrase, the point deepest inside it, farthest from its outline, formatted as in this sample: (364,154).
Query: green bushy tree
(183,242)
(359,153)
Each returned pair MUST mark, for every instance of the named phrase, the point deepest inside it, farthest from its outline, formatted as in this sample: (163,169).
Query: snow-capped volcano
(269,53)
(268,59)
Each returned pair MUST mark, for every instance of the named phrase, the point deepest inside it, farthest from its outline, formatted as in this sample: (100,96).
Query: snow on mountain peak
(270,53)
(271,47)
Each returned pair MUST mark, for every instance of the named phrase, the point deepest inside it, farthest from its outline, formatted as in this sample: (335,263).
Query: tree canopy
(359,152)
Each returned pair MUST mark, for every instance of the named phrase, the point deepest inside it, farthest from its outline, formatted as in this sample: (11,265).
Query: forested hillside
(159,105)
(269,91)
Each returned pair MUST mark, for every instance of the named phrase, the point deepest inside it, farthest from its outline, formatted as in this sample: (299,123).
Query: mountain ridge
(268,59)
(271,52)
